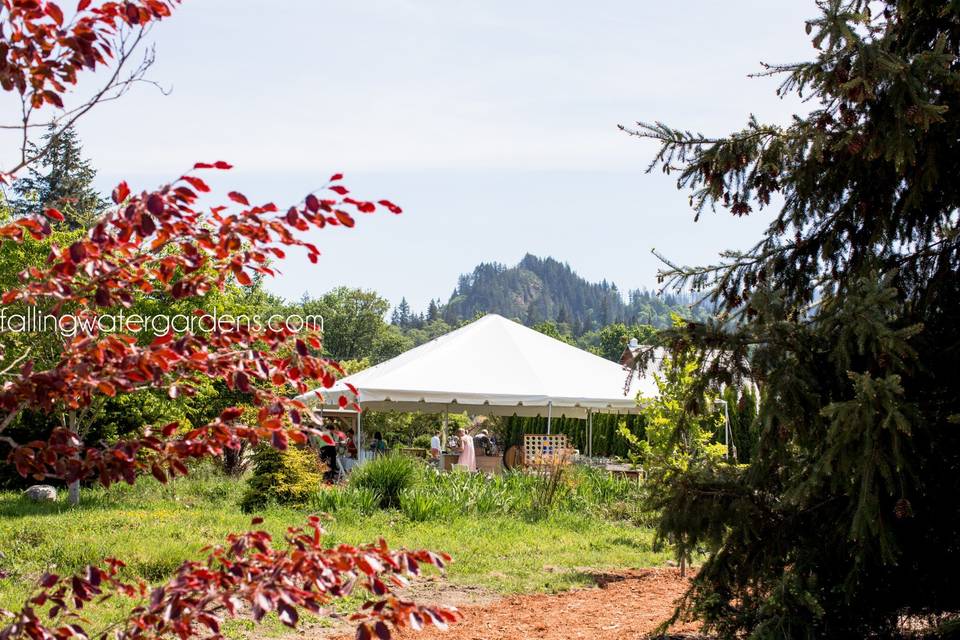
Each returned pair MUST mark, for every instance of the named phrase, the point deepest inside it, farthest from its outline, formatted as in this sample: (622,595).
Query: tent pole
(590,434)
(359,442)
(549,414)
(443,443)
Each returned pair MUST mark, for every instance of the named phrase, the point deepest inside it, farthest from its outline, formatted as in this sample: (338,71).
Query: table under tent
(492,367)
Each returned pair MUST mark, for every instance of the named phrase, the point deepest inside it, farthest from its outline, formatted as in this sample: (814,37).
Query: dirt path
(622,605)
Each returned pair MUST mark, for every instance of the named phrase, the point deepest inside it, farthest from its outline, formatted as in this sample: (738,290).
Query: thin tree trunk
(73,490)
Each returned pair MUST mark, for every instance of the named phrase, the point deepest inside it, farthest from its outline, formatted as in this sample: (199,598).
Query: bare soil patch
(621,605)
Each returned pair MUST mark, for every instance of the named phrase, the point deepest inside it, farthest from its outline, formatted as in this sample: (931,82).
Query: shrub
(422,441)
(388,476)
(288,477)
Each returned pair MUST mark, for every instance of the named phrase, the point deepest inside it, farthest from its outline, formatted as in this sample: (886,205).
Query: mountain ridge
(537,290)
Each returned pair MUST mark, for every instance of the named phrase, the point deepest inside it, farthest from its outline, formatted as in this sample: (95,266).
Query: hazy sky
(492,123)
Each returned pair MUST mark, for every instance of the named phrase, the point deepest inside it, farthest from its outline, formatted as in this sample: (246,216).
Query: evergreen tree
(63,180)
(846,314)
(402,316)
(433,311)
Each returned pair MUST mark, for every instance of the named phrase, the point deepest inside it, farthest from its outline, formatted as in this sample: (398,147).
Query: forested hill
(543,289)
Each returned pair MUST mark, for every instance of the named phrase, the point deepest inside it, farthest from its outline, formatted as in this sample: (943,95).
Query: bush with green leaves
(290,477)
(388,476)
(422,441)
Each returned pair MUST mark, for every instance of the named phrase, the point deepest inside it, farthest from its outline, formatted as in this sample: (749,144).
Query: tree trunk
(73,490)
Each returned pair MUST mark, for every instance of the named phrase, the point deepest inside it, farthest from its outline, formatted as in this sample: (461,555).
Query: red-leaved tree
(165,242)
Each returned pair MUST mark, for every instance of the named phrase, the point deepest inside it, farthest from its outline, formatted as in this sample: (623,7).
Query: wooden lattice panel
(545,449)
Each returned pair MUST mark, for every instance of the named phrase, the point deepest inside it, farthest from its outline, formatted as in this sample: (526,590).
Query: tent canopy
(493,366)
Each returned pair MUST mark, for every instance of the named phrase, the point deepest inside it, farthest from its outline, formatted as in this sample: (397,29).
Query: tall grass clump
(422,504)
(388,476)
(340,499)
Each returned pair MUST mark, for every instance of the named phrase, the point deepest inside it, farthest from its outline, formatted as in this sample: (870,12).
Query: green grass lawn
(154,528)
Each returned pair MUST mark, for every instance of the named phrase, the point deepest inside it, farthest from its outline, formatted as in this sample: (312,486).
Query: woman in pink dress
(467,456)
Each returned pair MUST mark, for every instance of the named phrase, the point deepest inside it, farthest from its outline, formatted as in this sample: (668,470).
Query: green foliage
(339,499)
(613,338)
(289,477)
(845,314)
(388,476)
(681,420)
(424,505)
(550,328)
(353,325)
(422,441)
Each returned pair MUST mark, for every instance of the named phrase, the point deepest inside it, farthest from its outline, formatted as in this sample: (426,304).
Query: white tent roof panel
(497,367)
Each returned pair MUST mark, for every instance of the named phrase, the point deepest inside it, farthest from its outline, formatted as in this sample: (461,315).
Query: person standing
(378,445)
(468,458)
(435,445)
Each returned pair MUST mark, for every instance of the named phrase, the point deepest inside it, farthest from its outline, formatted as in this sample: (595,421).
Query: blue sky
(492,123)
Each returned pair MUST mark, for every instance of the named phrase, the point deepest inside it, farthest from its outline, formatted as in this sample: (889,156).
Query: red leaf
(287,614)
(170,429)
(107,388)
(161,340)
(343,402)
(77,252)
(54,12)
(313,203)
(243,278)
(121,192)
(103,297)
(279,440)
(133,13)
(83,4)
(147,226)
(54,214)
(155,204)
(231,413)
(390,206)
(382,631)
(197,183)
(158,473)
(336,176)
(344,218)
(339,189)
(220,164)
(53,98)
(236,196)
(256,520)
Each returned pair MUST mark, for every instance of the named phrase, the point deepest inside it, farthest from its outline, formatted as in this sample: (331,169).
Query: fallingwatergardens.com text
(33,320)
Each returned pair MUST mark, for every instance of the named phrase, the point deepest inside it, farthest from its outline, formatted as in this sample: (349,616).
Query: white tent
(493,366)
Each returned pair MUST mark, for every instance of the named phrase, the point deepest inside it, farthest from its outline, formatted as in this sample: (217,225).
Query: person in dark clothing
(328,456)
(378,445)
